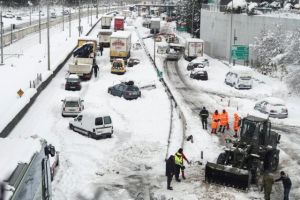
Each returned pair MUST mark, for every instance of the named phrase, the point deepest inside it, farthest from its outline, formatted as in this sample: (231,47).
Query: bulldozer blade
(227,176)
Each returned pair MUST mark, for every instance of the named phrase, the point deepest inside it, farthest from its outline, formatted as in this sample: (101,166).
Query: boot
(170,188)
(178,180)
(183,176)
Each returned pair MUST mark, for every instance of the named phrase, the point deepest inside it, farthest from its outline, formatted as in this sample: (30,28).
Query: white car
(239,78)
(272,106)
(52,15)
(9,15)
(93,125)
(72,106)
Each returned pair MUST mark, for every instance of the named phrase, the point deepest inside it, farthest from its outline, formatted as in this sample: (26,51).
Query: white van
(239,78)
(93,125)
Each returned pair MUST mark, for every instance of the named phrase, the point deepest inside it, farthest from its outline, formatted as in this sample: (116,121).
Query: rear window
(73,80)
(131,88)
(107,120)
(72,104)
(99,121)
(117,65)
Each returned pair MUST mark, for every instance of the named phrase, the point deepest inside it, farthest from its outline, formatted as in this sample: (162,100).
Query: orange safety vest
(224,119)
(215,121)
(236,123)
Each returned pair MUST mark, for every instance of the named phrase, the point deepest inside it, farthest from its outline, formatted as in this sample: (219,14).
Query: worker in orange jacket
(236,124)
(215,122)
(223,121)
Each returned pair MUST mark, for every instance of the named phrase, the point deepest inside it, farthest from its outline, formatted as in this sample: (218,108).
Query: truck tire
(221,159)
(272,161)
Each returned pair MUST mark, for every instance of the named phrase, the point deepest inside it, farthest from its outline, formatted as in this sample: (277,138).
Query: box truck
(104,37)
(155,25)
(119,23)
(106,21)
(120,45)
(194,48)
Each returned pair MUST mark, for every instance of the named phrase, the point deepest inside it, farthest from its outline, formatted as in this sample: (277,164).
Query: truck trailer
(104,37)
(120,45)
(106,21)
(119,23)
(193,48)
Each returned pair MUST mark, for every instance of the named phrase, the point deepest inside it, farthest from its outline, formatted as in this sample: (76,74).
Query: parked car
(93,125)
(199,74)
(72,106)
(9,14)
(53,15)
(173,56)
(193,65)
(73,82)
(272,106)
(125,89)
(118,67)
(240,78)
(132,61)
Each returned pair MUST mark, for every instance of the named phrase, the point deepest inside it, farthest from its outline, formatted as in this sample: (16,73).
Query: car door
(108,128)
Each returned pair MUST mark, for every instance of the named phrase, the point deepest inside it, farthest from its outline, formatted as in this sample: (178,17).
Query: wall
(215,30)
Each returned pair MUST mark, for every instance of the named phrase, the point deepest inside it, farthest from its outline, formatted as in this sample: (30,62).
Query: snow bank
(237,4)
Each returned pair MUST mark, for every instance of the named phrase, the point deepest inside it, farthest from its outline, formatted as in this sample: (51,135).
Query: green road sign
(240,52)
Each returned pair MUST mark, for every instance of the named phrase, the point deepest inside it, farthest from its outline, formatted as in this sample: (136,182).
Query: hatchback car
(73,82)
(199,74)
(125,89)
(71,106)
(272,106)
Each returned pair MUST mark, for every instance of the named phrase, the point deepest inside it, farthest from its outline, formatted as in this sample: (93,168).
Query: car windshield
(117,65)
(73,80)
(132,88)
(72,104)
(245,77)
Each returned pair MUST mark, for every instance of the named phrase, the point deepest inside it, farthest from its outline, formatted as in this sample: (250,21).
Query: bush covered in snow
(237,6)
(293,81)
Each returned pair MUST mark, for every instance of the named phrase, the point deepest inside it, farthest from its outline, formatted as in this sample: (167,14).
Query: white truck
(106,21)
(120,45)
(104,37)
(154,25)
(84,58)
(194,48)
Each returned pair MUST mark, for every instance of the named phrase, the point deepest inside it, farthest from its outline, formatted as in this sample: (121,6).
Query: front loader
(255,152)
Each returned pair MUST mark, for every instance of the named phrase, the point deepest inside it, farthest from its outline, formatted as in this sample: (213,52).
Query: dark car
(173,56)
(73,82)
(125,89)
(192,66)
(132,61)
(199,74)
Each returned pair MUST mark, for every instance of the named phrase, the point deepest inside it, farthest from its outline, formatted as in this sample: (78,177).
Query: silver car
(72,106)
(272,106)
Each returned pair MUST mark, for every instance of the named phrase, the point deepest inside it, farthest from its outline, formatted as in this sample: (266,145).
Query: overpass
(168,7)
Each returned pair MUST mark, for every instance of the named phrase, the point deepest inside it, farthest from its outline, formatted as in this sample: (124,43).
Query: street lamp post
(154,44)
(48,34)
(70,22)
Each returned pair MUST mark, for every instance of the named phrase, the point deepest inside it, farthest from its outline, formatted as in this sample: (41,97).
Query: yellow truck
(120,45)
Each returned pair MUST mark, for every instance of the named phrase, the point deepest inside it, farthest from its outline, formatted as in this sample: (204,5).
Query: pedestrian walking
(223,121)
(204,115)
(170,171)
(95,69)
(215,122)
(287,184)
(179,156)
(101,49)
(267,185)
(236,124)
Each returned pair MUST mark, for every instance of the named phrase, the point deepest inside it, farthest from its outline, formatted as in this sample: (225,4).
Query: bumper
(244,87)
(69,114)
(101,136)
(203,77)
(131,97)
(73,88)
(278,115)
(118,72)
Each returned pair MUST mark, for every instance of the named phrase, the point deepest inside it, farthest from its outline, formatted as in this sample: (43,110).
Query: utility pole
(88,13)
(48,34)
(40,33)
(230,47)
(1,29)
(63,16)
(70,22)
(193,18)
(154,44)
(91,13)
(97,9)
(79,18)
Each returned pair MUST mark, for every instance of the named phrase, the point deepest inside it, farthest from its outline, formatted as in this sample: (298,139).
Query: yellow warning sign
(20,92)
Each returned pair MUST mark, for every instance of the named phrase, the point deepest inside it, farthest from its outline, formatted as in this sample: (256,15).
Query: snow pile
(14,151)
(237,4)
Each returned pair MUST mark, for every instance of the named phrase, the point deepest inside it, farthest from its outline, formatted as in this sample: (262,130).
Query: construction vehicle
(254,153)
(84,58)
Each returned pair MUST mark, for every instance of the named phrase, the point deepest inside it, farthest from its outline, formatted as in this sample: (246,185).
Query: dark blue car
(125,89)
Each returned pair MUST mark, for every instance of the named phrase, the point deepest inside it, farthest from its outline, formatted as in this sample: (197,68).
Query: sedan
(73,82)
(193,65)
(199,74)
(272,106)
(125,89)
(71,106)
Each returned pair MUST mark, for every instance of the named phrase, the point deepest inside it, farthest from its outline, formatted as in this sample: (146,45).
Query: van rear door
(108,124)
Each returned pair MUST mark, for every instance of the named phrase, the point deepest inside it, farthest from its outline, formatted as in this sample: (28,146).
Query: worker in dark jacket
(267,185)
(170,171)
(96,69)
(287,184)
(101,49)
(204,115)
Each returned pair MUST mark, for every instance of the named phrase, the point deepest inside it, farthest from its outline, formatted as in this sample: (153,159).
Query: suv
(93,125)
(72,106)
(126,89)
(73,82)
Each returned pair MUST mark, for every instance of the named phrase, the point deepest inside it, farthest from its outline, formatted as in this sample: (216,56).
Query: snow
(119,17)
(194,40)
(252,5)
(72,98)
(14,151)
(155,19)
(274,100)
(237,3)
(121,34)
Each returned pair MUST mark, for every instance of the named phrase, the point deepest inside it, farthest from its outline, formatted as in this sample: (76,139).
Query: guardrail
(10,126)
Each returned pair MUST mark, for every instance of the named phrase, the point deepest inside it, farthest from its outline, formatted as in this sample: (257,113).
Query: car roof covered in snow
(72,98)
(199,60)
(121,34)
(14,151)
(198,70)
(194,40)
(94,113)
(241,70)
(73,76)
(274,100)
(162,44)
